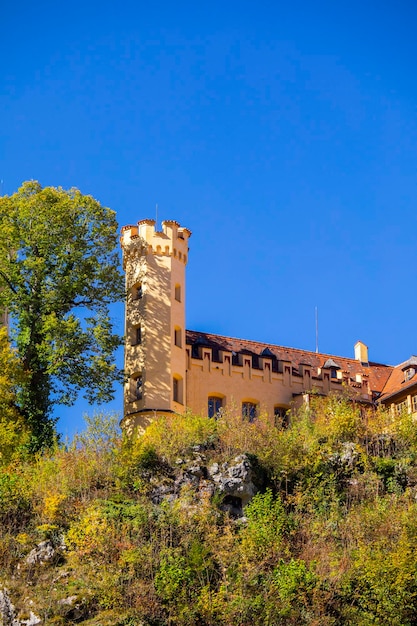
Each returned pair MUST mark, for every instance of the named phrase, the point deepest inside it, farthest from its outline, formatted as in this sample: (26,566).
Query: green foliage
(266,527)
(58,275)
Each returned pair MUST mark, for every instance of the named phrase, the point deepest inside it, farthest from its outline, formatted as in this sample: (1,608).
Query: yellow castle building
(171,369)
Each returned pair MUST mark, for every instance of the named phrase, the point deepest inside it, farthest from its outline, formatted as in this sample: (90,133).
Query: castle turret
(155,357)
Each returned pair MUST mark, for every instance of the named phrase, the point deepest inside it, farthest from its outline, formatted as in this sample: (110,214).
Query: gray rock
(8,613)
(43,553)
(235,479)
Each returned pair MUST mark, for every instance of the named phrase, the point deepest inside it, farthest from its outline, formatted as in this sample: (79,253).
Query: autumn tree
(59,272)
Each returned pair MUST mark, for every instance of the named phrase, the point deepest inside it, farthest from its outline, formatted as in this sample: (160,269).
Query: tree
(59,272)
(13,433)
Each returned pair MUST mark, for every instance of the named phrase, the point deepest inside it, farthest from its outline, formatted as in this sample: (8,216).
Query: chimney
(361,352)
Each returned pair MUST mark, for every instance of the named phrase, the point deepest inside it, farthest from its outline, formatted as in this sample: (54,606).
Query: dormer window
(332,367)
(409,368)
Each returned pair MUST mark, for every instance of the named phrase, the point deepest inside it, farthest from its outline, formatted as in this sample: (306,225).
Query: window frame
(250,410)
(178,337)
(214,406)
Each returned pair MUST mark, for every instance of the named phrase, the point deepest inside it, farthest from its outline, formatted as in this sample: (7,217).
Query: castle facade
(171,369)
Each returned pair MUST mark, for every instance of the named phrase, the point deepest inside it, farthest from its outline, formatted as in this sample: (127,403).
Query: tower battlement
(143,239)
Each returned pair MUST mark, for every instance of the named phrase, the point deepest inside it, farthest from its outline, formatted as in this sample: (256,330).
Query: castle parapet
(171,241)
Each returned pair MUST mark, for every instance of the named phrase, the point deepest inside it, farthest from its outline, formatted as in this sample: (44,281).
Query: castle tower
(155,356)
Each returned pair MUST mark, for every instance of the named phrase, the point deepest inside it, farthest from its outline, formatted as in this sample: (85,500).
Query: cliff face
(216,522)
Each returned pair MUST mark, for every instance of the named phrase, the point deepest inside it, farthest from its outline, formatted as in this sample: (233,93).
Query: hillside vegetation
(330,538)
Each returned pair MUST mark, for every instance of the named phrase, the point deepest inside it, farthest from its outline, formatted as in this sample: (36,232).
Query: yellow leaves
(52,506)
(172,435)
(89,536)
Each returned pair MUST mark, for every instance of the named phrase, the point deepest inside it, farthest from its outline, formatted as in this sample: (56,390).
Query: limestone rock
(43,553)
(235,479)
(8,613)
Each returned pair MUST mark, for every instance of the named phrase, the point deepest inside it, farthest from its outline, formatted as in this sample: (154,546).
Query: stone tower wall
(155,361)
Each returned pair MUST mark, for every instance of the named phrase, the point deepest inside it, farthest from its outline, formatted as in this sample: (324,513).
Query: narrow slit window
(138,291)
(137,390)
(138,337)
(177,337)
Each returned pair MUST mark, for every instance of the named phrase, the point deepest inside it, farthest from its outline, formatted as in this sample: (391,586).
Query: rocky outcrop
(45,552)
(8,613)
(234,480)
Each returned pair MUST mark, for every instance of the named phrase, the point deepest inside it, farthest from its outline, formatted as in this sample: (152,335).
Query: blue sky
(284,135)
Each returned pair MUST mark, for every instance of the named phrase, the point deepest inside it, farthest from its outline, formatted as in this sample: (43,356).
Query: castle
(170,369)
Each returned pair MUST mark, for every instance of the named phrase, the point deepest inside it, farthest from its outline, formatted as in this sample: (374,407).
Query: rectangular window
(178,293)
(138,291)
(401,407)
(177,337)
(414,403)
(138,388)
(177,390)
(138,334)
(214,406)
(249,411)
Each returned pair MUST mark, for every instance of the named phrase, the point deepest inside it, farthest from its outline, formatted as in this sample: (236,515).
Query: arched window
(249,411)
(214,406)
(281,417)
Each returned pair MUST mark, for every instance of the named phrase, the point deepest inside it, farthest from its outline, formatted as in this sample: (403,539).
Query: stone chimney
(361,352)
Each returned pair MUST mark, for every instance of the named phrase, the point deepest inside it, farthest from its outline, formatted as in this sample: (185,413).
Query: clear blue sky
(284,135)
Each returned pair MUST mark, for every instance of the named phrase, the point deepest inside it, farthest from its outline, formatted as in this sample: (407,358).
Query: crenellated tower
(155,355)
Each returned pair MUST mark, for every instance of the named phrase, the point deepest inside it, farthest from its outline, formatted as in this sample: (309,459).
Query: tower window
(214,406)
(177,337)
(178,293)
(137,339)
(177,391)
(249,411)
(137,387)
(137,291)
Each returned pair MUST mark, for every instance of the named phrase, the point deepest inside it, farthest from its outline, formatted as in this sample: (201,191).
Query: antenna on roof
(1,187)
(156,217)
(317,330)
